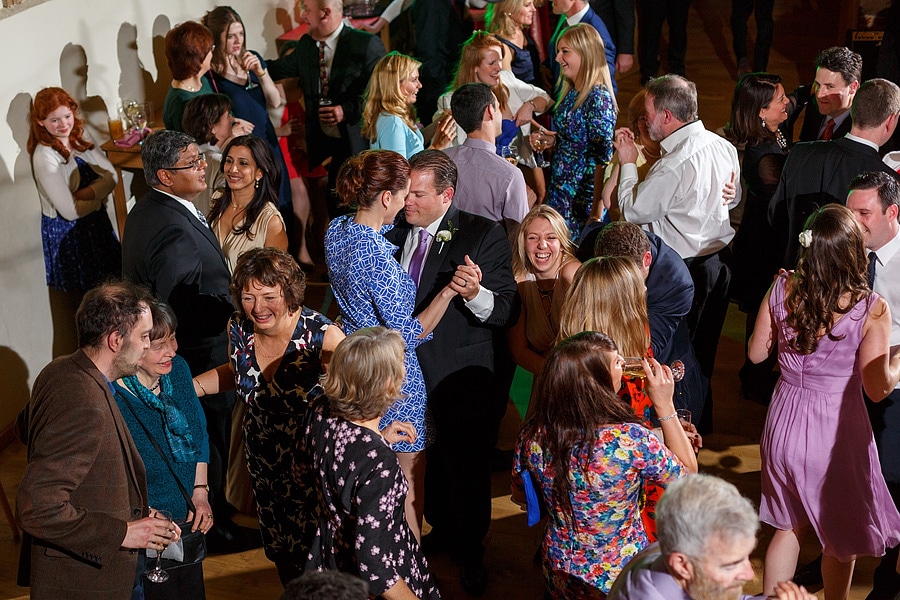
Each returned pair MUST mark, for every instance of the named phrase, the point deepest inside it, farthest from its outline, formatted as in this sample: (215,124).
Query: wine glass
(132,107)
(158,575)
(540,143)
(510,153)
(632,367)
(139,118)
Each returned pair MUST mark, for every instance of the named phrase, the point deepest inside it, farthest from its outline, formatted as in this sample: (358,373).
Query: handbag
(191,545)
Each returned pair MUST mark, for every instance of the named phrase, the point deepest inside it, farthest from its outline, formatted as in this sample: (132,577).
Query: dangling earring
(256,185)
(763,121)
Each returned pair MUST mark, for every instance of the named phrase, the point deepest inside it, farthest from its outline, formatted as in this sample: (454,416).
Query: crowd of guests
(455,254)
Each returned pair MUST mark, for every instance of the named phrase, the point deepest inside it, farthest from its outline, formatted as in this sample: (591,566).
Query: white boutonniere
(445,235)
(805,238)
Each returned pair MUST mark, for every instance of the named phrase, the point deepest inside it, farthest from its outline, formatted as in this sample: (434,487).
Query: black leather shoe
(473,578)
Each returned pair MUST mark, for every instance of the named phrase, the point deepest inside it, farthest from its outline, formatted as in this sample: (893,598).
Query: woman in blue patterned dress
(372,289)
(362,527)
(278,350)
(589,457)
(74,179)
(584,118)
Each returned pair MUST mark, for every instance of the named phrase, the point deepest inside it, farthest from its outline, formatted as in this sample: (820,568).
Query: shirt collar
(860,140)
(576,18)
(480,144)
(185,203)
(433,227)
(887,252)
(331,40)
(675,138)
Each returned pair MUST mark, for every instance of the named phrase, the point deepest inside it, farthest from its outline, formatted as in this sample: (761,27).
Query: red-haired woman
(73,178)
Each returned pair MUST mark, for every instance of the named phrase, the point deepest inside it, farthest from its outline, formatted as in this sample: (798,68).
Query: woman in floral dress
(278,351)
(362,529)
(589,458)
(584,118)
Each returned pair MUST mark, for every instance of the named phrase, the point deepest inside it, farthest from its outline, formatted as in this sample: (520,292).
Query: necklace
(155,385)
(649,154)
(236,207)
(779,137)
(547,295)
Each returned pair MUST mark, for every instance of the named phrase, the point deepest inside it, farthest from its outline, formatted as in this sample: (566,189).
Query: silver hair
(676,94)
(697,507)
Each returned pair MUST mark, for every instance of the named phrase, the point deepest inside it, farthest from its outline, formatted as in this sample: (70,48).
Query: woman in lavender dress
(361,489)
(372,289)
(820,466)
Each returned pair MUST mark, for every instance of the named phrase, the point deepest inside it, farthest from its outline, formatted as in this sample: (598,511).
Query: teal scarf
(178,432)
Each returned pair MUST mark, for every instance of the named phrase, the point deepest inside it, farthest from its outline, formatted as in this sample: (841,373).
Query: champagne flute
(540,143)
(140,121)
(634,368)
(158,575)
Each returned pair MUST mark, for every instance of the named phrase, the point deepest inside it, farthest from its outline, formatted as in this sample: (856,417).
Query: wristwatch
(205,486)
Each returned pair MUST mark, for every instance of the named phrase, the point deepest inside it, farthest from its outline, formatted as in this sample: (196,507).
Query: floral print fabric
(606,483)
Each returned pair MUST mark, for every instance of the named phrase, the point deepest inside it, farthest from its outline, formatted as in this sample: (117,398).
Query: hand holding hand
(467,279)
(624,145)
(729,193)
(399,431)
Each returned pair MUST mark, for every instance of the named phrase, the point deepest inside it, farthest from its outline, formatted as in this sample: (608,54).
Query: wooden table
(122,158)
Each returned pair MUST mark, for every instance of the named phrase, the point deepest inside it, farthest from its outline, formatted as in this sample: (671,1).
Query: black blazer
(813,120)
(815,174)
(460,339)
(170,251)
(354,60)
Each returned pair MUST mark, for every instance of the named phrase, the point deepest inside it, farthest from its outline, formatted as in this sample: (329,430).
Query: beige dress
(235,245)
(540,330)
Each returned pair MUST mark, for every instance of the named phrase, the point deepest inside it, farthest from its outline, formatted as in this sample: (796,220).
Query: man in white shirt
(875,201)
(680,200)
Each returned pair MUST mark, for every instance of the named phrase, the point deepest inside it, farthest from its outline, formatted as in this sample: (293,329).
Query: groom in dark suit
(333,64)
(168,247)
(467,366)
(819,173)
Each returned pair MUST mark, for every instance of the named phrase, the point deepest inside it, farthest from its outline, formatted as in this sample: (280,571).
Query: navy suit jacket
(461,341)
(354,59)
(168,250)
(816,174)
(591,18)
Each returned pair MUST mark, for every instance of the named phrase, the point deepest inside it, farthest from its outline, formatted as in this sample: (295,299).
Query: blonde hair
(608,294)
(473,55)
(365,374)
(498,18)
(520,262)
(383,94)
(584,40)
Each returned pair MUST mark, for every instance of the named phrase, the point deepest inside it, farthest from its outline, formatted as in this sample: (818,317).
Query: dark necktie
(870,272)
(201,217)
(418,257)
(829,130)
(323,72)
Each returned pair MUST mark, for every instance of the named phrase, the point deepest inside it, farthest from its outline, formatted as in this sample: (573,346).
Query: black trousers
(885,417)
(651,15)
(765,26)
(467,408)
(711,275)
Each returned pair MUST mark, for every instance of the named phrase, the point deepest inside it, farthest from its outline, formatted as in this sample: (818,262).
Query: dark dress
(275,413)
(361,493)
(249,103)
(83,253)
(757,249)
(525,61)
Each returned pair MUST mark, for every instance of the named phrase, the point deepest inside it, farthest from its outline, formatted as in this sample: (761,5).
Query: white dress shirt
(680,200)
(191,208)
(887,282)
(482,305)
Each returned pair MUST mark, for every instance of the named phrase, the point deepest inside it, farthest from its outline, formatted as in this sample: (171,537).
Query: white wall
(100,51)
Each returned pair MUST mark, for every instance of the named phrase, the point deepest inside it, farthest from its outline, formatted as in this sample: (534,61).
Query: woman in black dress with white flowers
(361,490)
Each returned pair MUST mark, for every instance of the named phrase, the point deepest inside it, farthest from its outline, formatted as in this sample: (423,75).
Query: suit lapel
(193,221)
(341,56)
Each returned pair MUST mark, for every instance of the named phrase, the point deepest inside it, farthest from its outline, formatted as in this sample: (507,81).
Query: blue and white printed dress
(372,289)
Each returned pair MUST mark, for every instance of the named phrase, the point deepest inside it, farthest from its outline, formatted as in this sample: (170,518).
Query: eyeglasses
(194,165)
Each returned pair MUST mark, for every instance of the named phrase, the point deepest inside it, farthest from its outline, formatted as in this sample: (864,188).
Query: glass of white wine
(633,367)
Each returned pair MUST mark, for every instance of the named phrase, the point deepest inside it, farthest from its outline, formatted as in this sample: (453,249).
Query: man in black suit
(838,75)
(333,64)
(618,16)
(818,173)
(466,365)
(168,247)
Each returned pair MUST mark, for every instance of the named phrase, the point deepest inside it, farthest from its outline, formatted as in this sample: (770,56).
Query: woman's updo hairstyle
(362,178)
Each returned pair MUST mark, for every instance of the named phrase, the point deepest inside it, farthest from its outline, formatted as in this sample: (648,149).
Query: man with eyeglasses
(168,247)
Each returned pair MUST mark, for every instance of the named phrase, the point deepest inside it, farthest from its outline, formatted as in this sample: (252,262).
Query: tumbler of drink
(116,129)
(633,367)
(684,415)
(331,130)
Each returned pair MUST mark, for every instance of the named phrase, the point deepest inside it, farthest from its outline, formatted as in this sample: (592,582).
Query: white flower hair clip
(805,238)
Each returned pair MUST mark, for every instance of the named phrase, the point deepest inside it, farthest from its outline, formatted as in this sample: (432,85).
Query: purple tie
(418,257)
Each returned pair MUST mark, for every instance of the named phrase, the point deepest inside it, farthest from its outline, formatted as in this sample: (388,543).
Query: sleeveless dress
(276,410)
(819,461)
(234,245)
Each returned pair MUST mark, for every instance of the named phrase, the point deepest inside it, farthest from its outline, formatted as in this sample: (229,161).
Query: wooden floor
(731,452)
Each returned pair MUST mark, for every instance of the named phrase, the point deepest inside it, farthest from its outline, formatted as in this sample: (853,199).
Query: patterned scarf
(178,432)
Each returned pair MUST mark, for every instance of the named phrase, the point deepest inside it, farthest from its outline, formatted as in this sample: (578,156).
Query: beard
(704,588)
(126,361)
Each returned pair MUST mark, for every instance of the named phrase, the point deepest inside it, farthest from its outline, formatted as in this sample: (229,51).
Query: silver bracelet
(672,416)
